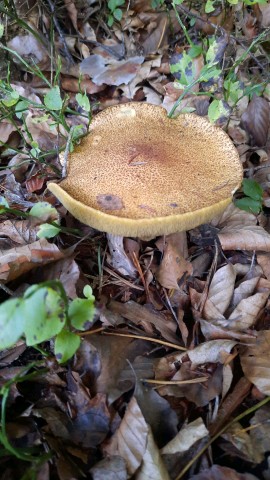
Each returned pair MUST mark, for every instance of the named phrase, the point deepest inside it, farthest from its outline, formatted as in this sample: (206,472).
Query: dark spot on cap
(173,205)
(109,202)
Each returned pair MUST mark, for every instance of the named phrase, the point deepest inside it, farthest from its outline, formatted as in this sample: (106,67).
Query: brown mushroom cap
(140,173)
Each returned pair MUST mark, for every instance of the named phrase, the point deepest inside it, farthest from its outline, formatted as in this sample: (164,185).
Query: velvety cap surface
(140,173)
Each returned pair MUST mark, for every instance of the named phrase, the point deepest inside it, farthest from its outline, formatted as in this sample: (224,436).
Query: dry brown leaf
(264,262)
(244,290)
(255,120)
(265,9)
(214,351)
(255,361)
(19,164)
(261,433)
(28,47)
(103,71)
(247,311)
(19,231)
(131,438)
(144,73)
(216,472)
(44,133)
(66,270)
(141,315)
(71,84)
(173,266)
(233,217)
(19,260)
(221,288)
(241,439)
(152,464)
(186,437)
(241,237)
(213,332)
(6,129)
(111,468)
(72,12)
(111,356)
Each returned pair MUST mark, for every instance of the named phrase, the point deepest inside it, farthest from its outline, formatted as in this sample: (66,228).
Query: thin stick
(176,382)
(149,339)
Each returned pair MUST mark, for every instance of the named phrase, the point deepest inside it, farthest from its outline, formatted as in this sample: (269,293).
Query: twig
(149,339)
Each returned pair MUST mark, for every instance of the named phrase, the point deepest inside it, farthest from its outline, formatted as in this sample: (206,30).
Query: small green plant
(44,312)
(115,12)
(253,199)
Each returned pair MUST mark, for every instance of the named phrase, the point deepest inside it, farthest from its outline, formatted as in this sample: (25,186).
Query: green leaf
(88,293)
(21,107)
(249,205)
(66,344)
(53,100)
(3,204)
(113,4)
(46,230)
(252,189)
(195,51)
(233,2)
(44,211)
(178,2)
(83,101)
(118,14)
(81,312)
(11,322)
(43,315)
(209,6)
(1,30)
(217,110)
(11,99)
(110,20)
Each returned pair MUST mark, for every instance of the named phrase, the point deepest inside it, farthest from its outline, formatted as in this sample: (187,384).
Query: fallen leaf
(220,290)
(260,434)
(118,73)
(174,266)
(255,120)
(214,351)
(255,361)
(28,47)
(247,311)
(186,437)
(35,182)
(19,231)
(216,472)
(242,237)
(152,464)
(130,440)
(111,468)
(241,440)
(140,314)
(19,260)
(72,12)
(6,129)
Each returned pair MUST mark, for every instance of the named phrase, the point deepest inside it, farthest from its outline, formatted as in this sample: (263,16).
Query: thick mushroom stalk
(141,174)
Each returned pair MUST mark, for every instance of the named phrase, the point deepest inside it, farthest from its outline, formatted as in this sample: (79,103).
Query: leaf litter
(176,363)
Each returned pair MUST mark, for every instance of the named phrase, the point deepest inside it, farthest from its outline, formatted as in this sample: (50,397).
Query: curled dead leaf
(255,120)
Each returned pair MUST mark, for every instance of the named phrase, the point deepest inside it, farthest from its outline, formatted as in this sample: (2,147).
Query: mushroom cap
(140,173)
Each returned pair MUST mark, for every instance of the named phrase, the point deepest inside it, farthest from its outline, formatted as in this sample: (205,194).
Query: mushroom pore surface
(140,173)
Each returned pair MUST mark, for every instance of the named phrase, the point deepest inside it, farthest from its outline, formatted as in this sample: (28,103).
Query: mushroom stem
(119,259)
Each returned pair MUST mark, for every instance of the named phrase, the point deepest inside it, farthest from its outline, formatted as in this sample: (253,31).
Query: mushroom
(141,174)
